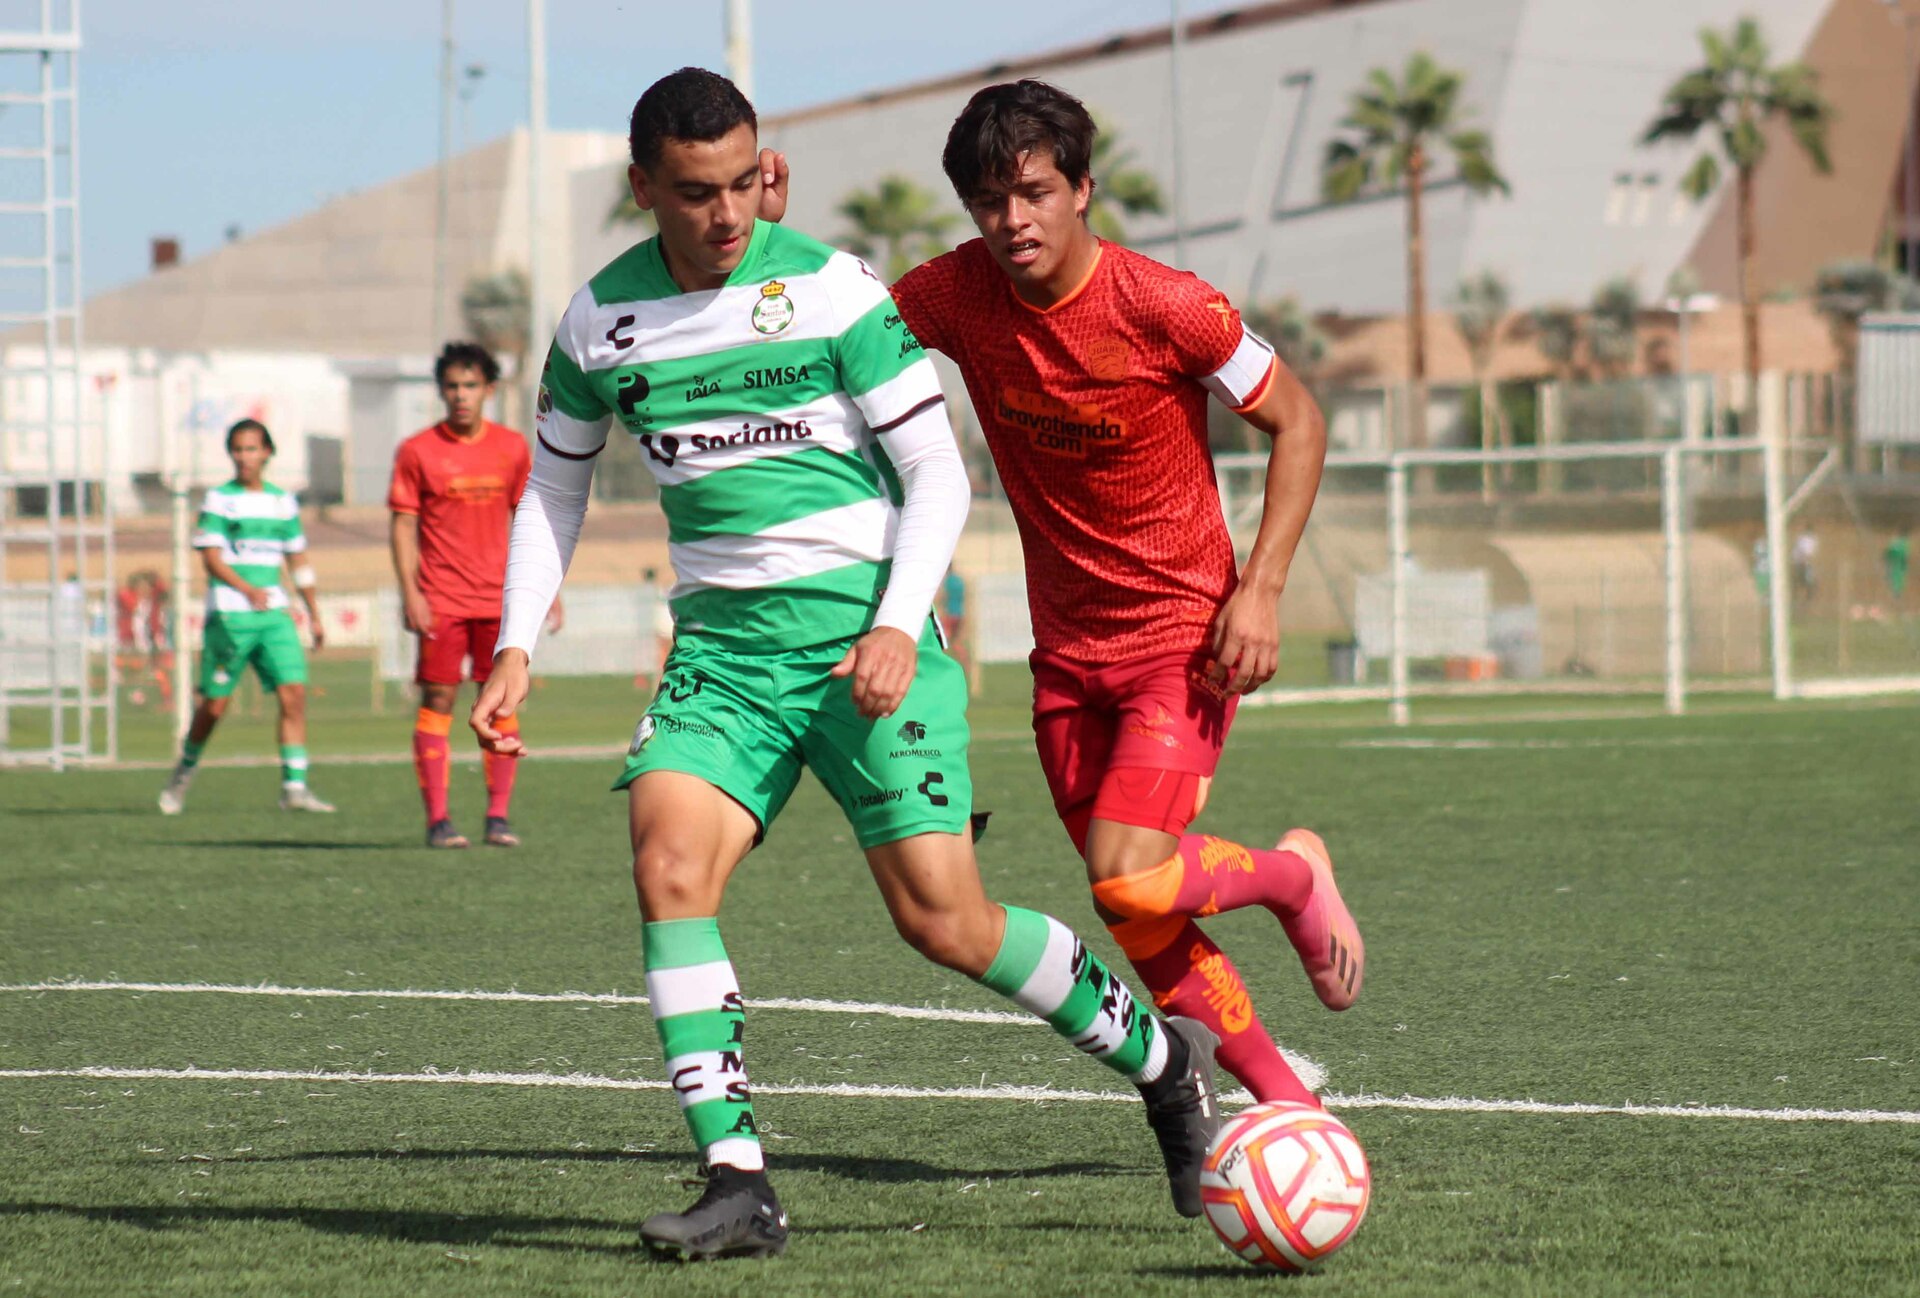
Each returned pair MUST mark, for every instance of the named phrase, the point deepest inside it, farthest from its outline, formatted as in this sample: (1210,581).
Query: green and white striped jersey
(254,531)
(758,405)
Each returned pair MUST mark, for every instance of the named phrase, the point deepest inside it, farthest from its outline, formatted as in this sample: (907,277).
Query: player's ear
(637,182)
(1083,196)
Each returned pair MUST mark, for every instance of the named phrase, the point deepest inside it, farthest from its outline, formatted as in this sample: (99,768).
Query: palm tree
(1846,290)
(1119,187)
(624,211)
(1613,326)
(1395,129)
(896,223)
(1734,94)
(1480,309)
(1556,332)
(498,312)
(1302,344)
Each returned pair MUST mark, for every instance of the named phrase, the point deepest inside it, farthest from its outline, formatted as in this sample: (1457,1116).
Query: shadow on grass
(891,1171)
(146,811)
(265,844)
(411,1226)
(495,1230)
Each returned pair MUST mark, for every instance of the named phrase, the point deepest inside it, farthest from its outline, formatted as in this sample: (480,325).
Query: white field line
(577,998)
(1419,744)
(1029,1094)
(1310,1071)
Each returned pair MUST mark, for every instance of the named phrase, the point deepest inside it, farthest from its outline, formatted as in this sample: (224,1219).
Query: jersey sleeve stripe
(898,420)
(565,455)
(1260,393)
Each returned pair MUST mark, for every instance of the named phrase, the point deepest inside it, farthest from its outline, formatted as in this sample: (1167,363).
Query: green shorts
(747,723)
(268,640)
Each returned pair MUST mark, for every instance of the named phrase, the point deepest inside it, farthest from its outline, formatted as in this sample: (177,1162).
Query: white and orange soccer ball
(1285,1185)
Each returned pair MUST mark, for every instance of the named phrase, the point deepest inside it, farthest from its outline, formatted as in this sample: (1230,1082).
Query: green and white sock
(189,759)
(1043,967)
(293,766)
(696,1005)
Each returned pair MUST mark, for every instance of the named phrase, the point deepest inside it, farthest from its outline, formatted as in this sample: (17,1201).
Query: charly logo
(774,311)
(545,403)
(931,788)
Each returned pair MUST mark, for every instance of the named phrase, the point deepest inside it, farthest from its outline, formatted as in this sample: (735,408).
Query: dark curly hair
(691,104)
(467,356)
(1002,123)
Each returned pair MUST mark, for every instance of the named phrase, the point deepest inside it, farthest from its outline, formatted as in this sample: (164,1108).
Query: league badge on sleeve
(774,311)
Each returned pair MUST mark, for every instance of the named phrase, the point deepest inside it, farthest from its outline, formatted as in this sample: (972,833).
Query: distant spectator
(662,629)
(1762,566)
(1806,554)
(951,605)
(1896,556)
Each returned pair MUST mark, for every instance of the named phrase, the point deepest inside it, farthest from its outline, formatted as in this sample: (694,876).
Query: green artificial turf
(1715,910)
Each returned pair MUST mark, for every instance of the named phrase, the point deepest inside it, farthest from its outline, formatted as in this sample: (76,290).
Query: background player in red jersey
(1090,366)
(455,487)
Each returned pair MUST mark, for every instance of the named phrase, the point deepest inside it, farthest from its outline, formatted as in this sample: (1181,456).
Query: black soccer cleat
(737,1216)
(500,833)
(1184,1110)
(441,833)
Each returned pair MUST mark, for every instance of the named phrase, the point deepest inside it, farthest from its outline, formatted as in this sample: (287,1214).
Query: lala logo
(774,311)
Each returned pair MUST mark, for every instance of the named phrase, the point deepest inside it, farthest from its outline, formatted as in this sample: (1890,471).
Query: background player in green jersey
(249,531)
(779,400)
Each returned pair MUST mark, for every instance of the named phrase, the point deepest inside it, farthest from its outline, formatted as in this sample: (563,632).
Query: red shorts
(1158,713)
(443,654)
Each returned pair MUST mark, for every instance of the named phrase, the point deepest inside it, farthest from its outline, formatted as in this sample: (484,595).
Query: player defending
(455,487)
(249,530)
(766,378)
(1090,367)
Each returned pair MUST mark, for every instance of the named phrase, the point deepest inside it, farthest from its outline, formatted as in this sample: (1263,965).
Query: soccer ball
(1285,1185)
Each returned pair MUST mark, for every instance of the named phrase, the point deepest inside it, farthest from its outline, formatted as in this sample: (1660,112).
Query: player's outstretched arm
(506,689)
(1246,634)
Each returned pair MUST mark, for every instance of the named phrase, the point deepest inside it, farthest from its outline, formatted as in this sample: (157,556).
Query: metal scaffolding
(57,704)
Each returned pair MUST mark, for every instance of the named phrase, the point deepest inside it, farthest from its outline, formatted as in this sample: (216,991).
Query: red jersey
(465,494)
(1095,410)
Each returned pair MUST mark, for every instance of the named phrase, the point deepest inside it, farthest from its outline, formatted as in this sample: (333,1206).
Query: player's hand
(773,185)
(504,692)
(556,617)
(259,598)
(319,634)
(419,614)
(1246,640)
(881,663)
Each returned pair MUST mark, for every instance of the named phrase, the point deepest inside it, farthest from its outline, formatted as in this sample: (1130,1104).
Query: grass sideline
(1713,910)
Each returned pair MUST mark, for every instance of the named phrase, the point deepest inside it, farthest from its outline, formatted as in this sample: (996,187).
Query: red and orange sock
(500,771)
(1187,974)
(431,761)
(1208,875)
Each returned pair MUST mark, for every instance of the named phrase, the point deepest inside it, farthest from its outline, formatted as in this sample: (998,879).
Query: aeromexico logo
(667,448)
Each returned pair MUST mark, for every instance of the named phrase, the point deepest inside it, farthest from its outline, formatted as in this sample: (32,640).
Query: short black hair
(467,356)
(691,104)
(250,426)
(1002,123)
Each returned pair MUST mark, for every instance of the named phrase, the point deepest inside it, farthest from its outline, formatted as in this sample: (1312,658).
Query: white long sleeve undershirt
(546,527)
(933,479)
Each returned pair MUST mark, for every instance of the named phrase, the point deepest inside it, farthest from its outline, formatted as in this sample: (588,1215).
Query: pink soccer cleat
(1324,932)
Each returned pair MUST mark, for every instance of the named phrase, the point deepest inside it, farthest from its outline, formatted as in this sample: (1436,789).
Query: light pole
(1910,204)
(1177,37)
(442,200)
(1684,307)
(539,328)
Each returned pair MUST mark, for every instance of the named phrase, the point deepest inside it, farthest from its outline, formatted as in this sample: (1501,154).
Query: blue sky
(197,115)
